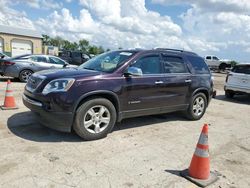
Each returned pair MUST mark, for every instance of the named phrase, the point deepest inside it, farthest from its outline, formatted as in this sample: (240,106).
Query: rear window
(244,69)
(198,64)
(174,64)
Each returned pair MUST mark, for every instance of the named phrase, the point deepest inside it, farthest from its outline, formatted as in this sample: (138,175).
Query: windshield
(107,62)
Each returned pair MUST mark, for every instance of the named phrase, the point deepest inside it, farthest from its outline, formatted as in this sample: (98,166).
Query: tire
(229,94)
(90,124)
(196,110)
(222,67)
(24,75)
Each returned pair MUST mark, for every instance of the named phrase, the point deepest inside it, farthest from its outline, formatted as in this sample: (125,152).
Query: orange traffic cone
(9,101)
(199,169)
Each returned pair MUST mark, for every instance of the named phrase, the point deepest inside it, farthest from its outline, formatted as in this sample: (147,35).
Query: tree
(46,40)
(84,45)
(57,41)
(95,50)
(233,63)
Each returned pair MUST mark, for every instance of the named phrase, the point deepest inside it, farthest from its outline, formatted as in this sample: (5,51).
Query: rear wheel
(24,75)
(229,94)
(197,107)
(95,119)
(222,67)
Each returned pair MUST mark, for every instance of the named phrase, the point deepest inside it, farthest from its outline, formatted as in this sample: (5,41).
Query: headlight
(58,85)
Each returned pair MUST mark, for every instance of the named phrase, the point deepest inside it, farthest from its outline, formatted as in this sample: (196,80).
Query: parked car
(238,81)
(214,63)
(118,85)
(74,57)
(3,56)
(24,66)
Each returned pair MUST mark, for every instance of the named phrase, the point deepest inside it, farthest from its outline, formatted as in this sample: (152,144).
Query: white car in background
(238,81)
(214,63)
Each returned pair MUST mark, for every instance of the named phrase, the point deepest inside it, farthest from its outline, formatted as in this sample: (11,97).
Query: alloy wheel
(25,75)
(97,119)
(198,106)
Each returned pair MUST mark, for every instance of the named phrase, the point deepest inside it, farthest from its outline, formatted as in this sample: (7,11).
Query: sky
(207,27)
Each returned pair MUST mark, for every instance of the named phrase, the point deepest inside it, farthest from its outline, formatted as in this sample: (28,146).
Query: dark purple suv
(118,85)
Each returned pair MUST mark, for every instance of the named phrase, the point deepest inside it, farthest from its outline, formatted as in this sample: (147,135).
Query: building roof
(19,31)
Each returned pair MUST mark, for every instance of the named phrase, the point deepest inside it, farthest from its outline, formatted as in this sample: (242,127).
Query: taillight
(228,76)
(8,63)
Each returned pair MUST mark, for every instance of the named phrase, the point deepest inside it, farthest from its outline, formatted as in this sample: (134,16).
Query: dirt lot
(140,152)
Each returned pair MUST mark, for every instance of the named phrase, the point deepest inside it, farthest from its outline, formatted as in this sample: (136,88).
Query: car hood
(66,73)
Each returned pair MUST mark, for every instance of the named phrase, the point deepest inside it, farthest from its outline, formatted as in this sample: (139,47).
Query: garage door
(20,47)
(1,45)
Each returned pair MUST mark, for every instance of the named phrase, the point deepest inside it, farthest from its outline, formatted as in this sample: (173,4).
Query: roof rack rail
(170,49)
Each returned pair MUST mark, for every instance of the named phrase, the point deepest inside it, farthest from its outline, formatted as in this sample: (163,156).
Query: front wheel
(95,119)
(197,107)
(24,75)
(229,94)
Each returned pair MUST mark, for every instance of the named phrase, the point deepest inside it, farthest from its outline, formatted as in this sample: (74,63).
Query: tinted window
(208,57)
(76,54)
(174,64)
(149,64)
(198,64)
(55,60)
(215,58)
(245,69)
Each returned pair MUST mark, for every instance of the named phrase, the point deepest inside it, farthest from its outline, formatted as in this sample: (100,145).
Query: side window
(174,64)
(215,58)
(242,69)
(54,60)
(149,64)
(76,54)
(208,58)
(198,64)
(38,59)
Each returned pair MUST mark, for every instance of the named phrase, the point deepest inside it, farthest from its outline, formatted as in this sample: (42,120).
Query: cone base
(8,108)
(201,183)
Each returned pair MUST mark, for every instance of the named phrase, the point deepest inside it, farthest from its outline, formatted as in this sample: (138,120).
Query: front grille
(33,83)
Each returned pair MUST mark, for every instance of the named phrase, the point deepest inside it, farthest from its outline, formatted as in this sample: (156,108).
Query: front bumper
(61,121)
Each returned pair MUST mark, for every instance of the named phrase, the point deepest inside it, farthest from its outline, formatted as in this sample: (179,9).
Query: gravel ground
(141,152)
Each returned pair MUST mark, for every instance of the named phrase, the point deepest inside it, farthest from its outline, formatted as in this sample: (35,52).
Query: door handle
(158,82)
(188,81)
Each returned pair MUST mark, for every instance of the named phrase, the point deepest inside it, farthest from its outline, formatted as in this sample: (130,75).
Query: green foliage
(82,45)
(95,50)
(233,63)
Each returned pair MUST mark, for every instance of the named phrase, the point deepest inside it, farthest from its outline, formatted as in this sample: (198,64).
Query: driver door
(147,91)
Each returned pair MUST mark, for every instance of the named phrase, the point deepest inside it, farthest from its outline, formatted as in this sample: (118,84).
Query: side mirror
(65,65)
(133,71)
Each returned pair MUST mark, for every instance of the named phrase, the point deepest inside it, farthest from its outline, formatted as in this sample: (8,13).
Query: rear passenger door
(39,63)
(177,80)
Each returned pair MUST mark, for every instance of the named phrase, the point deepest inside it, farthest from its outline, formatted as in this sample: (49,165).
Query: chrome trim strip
(32,101)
